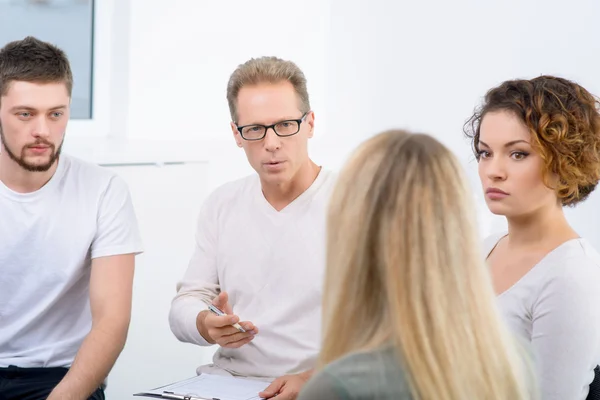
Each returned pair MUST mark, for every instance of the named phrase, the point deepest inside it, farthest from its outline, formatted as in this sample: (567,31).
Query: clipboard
(175,396)
(209,387)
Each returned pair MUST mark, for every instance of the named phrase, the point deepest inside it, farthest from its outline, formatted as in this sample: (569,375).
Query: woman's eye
(483,154)
(519,155)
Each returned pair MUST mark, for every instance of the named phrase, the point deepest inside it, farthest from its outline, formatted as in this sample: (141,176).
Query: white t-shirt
(271,264)
(47,240)
(556,307)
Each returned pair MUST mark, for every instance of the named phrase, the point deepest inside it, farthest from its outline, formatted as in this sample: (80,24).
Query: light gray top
(360,376)
(556,307)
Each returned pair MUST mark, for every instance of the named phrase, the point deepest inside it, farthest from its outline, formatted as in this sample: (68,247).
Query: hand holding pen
(223,327)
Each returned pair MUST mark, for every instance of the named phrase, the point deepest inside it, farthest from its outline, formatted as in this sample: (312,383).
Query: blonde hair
(403,261)
(266,70)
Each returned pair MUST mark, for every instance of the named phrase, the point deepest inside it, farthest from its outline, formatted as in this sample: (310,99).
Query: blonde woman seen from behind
(409,310)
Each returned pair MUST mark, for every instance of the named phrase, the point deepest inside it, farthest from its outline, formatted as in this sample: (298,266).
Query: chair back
(594,393)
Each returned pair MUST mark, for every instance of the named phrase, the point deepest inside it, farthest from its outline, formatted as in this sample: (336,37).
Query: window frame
(110,68)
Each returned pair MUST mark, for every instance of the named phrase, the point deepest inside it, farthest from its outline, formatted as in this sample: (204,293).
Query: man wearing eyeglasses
(260,241)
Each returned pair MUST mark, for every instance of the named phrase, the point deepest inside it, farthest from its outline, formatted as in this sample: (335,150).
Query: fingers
(237,340)
(225,335)
(286,392)
(222,302)
(249,327)
(220,328)
(236,337)
(284,388)
(218,331)
(286,396)
(272,389)
(238,344)
(216,321)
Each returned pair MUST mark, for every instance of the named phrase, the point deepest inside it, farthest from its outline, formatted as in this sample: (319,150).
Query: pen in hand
(220,313)
(219,325)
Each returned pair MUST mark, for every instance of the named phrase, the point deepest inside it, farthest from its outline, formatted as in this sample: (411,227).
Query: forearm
(93,362)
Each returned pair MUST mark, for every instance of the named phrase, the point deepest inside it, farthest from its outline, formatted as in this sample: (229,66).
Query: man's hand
(219,329)
(286,387)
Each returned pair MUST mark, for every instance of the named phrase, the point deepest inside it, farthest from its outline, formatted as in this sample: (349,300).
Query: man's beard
(22,159)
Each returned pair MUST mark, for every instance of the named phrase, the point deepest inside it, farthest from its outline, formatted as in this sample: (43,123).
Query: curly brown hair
(564,121)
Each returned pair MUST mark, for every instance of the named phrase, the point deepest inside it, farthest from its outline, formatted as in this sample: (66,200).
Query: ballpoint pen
(220,313)
(172,395)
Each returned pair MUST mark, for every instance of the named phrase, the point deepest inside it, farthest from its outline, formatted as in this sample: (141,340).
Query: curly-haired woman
(538,146)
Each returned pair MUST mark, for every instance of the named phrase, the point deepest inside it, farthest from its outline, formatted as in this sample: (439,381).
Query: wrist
(306,375)
(59,394)
(201,326)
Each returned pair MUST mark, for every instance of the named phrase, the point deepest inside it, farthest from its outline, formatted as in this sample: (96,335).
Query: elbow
(175,323)
(178,321)
(183,321)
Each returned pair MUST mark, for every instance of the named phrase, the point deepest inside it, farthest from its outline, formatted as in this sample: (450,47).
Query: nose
(272,142)
(41,128)
(494,168)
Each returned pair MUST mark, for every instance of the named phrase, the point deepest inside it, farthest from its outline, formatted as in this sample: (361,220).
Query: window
(95,36)
(65,23)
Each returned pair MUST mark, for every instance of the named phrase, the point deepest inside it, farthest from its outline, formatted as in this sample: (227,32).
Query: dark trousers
(33,383)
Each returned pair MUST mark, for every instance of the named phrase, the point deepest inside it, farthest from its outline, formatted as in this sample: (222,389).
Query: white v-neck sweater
(556,307)
(271,263)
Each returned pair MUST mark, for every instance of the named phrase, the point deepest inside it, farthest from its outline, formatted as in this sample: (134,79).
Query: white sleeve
(117,229)
(566,331)
(200,284)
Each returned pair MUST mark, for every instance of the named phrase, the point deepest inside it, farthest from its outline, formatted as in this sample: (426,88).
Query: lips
(495,191)
(40,145)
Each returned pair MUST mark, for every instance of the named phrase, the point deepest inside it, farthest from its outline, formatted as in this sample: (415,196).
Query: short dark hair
(32,60)
(564,121)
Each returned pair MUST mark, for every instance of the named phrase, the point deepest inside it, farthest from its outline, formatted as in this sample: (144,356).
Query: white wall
(183,51)
(424,65)
(419,65)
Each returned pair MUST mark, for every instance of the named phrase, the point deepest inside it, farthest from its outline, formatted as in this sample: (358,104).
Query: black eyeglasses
(285,128)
